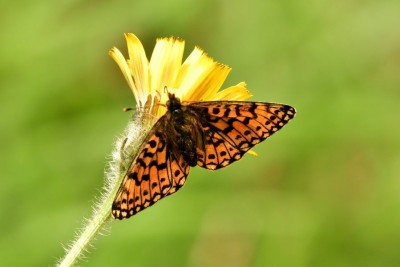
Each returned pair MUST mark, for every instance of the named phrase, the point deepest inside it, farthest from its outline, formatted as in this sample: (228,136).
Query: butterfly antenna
(170,95)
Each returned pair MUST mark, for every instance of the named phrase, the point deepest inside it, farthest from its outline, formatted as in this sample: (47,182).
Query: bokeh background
(325,191)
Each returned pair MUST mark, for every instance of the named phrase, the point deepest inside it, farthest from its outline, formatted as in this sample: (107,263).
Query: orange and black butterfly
(210,134)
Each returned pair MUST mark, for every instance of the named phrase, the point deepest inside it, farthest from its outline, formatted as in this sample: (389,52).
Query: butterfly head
(173,103)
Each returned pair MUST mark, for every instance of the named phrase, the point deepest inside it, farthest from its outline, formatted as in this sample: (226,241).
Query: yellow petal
(233,93)
(200,76)
(121,62)
(182,80)
(213,82)
(251,152)
(139,65)
(195,67)
(165,63)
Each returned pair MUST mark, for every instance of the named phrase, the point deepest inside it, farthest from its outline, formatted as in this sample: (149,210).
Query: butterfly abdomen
(187,148)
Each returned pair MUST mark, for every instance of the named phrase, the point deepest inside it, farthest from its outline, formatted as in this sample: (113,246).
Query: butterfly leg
(122,155)
(121,149)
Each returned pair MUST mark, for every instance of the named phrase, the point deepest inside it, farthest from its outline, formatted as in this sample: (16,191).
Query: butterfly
(209,134)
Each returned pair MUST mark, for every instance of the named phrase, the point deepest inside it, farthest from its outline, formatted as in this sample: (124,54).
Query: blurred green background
(325,191)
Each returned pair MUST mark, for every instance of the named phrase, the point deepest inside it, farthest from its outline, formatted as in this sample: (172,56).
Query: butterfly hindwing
(232,128)
(156,173)
(178,171)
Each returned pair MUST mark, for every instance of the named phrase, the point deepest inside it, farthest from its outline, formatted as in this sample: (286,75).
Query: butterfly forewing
(156,173)
(232,128)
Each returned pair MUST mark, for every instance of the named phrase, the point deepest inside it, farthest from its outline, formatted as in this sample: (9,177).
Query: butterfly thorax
(185,132)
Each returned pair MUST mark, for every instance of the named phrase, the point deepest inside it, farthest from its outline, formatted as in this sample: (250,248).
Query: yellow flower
(198,78)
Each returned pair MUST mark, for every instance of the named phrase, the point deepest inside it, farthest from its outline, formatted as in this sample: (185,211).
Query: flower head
(198,78)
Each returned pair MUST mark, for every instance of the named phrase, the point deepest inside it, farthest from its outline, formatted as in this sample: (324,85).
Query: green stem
(126,149)
(93,227)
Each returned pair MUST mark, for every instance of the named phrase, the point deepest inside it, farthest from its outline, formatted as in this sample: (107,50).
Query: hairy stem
(91,229)
(125,150)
